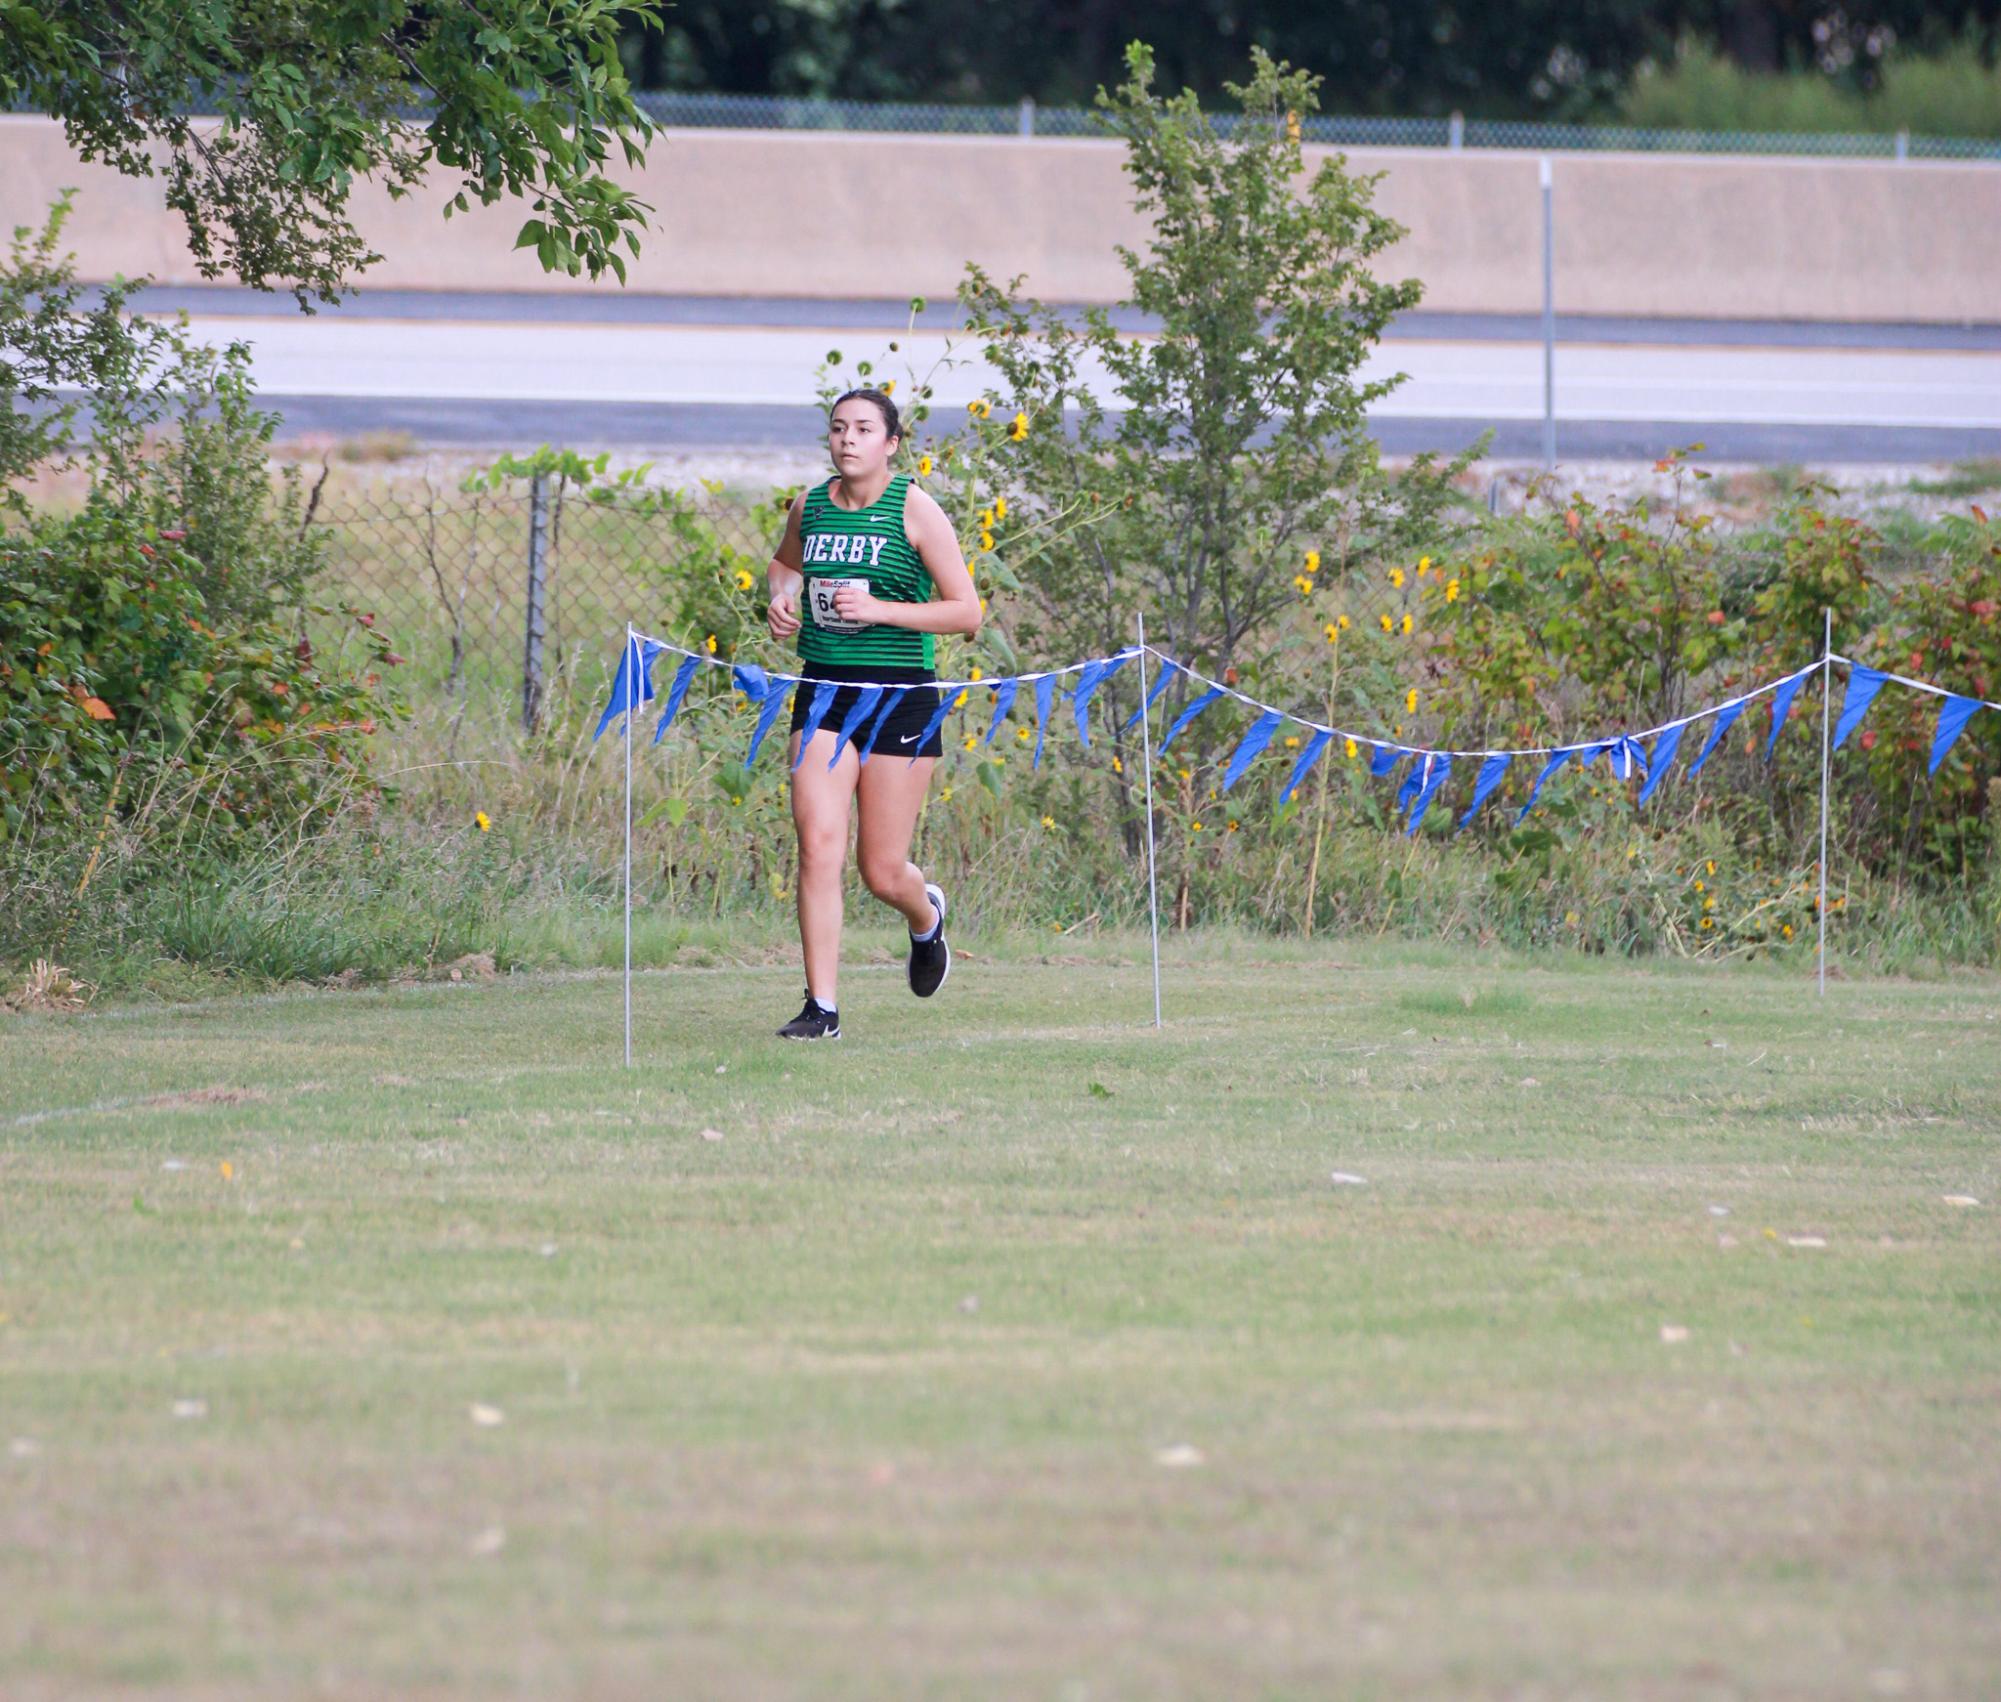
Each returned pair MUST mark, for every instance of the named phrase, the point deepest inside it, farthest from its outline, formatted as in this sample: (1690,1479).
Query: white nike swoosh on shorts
(908,739)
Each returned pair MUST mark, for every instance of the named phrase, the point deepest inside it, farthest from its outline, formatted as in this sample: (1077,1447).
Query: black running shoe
(930,960)
(813,1022)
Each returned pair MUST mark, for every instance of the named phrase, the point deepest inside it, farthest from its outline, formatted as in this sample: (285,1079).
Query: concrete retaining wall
(871,216)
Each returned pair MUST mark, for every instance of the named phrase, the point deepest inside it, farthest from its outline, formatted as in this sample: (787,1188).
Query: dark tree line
(1507,58)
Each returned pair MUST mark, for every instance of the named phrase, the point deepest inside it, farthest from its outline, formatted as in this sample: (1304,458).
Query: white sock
(937,922)
(824,1005)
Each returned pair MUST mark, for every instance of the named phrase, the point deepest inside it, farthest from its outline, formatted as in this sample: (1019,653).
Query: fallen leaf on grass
(1348,1179)
(712,1134)
(1959,1199)
(228,1169)
(1806,1241)
(489,1541)
(1674,1334)
(24,1447)
(188,1408)
(1178,1457)
(970,1304)
(484,1416)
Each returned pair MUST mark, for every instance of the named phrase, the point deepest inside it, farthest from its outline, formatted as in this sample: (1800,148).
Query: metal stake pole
(1826,764)
(631,712)
(1548,319)
(1146,761)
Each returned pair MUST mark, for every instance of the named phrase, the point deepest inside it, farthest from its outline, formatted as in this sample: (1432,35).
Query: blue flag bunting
(865,701)
(1657,765)
(1863,685)
(1436,767)
(751,680)
(1188,714)
(1003,702)
(1304,766)
(1782,703)
(816,712)
(1095,674)
(1045,693)
(1484,783)
(1556,760)
(946,700)
(775,698)
(1628,758)
(1253,742)
(683,675)
(890,702)
(1413,782)
(1952,719)
(1725,719)
(1383,759)
(1167,672)
(634,662)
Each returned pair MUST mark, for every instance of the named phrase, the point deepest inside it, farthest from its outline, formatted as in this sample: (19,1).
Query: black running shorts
(901,733)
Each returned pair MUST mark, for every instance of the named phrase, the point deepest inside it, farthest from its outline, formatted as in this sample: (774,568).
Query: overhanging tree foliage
(261,114)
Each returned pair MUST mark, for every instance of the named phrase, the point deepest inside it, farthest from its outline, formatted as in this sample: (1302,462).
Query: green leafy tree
(1237,442)
(260,117)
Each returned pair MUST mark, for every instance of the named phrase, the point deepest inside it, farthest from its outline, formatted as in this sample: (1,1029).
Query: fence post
(1456,132)
(1548,319)
(538,613)
(1903,146)
(1026,121)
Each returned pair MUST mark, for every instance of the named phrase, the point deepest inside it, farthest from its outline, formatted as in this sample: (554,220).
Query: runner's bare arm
(784,577)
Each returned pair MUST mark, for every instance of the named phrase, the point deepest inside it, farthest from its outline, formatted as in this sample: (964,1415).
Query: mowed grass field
(399,1344)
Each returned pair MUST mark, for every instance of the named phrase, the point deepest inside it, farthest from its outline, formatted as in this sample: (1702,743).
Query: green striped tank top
(863,543)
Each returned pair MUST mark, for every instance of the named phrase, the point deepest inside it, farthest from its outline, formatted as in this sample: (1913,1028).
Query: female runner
(867,572)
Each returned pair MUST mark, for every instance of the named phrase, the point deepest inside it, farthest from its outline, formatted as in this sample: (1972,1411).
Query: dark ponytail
(882,404)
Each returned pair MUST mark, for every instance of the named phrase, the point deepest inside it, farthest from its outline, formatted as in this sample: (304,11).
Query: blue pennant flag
(751,680)
(1952,720)
(1556,760)
(1782,703)
(1004,691)
(1863,685)
(1095,674)
(1383,758)
(1725,719)
(946,700)
(865,701)
(1657,765)
(635,661)
(1436,767)
(816,712)
(1167,672)
(890,701)
(775,700)
(1304,766)
(1253,743)
(1188,714)
(1413,782)
(1045,692)
(1484,783)
(1628,757)
(683,676)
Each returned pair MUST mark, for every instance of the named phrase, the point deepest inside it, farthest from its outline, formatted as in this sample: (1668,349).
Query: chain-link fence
(522,592)
(779,112)
(520,589)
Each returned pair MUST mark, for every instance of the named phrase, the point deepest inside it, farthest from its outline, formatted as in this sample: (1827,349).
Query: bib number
(820,604)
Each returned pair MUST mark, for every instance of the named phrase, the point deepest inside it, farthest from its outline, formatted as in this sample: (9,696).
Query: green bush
(1954,92)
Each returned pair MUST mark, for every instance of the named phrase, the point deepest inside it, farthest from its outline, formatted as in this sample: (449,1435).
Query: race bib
(820,604)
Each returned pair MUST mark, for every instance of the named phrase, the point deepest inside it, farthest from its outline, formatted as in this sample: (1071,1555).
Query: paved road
(670,372)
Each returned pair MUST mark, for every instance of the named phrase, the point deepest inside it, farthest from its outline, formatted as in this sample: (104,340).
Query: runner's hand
(783,615)
(855,603)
